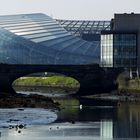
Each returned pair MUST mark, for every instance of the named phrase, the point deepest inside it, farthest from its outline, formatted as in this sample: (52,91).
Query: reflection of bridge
(32,43)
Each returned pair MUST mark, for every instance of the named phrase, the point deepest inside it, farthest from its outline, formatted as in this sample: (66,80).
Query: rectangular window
(118,50)
(107,50)
(126,50)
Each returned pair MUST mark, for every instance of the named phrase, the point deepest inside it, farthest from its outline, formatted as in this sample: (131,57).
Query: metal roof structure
(39,39)
(79,27)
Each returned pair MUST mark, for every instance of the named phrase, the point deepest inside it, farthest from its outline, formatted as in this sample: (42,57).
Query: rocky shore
(118,96)
(48,89)
(27,101)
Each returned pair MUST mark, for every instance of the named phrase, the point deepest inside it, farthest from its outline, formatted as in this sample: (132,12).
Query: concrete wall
(128,22)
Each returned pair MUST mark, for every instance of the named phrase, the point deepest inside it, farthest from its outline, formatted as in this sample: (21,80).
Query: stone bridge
(92,78)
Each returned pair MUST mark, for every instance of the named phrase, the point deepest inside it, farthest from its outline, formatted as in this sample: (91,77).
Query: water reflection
(127,124)
(96,120)
(70,110)
(114,121)
(99,118)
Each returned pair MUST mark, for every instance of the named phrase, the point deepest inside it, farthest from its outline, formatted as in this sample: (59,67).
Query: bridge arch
(53,81)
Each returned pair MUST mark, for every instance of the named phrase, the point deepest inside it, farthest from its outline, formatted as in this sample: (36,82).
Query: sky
(71,9)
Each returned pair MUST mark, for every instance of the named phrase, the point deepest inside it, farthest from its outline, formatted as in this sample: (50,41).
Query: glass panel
(57,41)
(121,49)
(47,38)
(36,28)
(107,50)
(24,23)
(125,50)
(32,26)
(31,32)
(44,34)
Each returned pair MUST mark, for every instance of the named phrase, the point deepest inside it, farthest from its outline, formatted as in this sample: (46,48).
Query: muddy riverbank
(27,101)
(118,96)
(48,89)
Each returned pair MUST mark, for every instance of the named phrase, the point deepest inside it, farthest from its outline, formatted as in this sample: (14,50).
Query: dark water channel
(106,120)
(85,119)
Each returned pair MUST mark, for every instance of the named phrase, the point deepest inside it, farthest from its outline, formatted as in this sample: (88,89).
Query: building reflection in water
(106,129)
(101,116)
(114,122)
(127,124)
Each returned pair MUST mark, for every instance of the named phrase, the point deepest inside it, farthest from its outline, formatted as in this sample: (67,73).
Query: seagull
(80,107)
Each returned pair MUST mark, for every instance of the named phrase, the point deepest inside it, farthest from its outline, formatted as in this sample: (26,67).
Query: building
(119,47)
(94,54)
(39,39)
(119,38)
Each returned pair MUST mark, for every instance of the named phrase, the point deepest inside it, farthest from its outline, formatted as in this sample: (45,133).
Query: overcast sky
(71,9)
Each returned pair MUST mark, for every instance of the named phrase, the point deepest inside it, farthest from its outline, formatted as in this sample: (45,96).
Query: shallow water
(25,116)
(92,121)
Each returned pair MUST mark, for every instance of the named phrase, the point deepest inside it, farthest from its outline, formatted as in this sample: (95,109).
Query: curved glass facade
(38,39)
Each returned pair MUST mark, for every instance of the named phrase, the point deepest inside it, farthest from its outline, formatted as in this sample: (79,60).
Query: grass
(46,81)
(126,84)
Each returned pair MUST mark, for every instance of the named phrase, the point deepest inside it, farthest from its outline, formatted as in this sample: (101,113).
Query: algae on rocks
(27,101)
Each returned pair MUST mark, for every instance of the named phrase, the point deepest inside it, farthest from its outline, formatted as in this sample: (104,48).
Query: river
(78,119)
